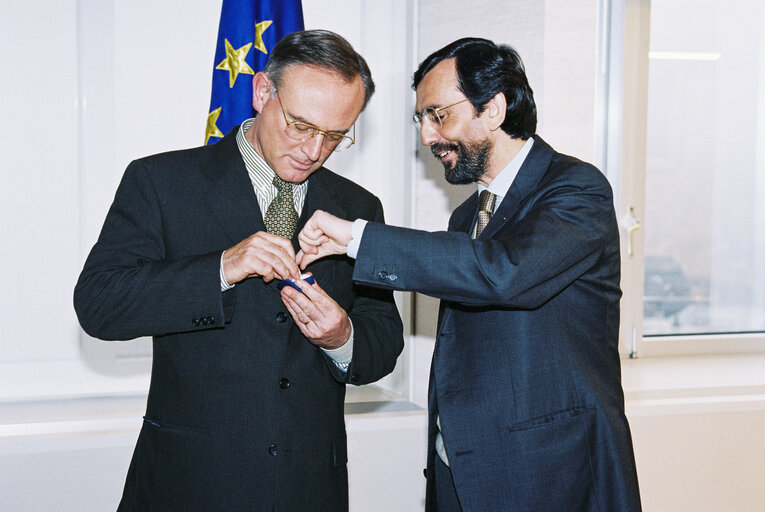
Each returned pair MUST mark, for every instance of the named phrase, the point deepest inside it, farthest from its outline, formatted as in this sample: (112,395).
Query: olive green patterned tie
(281,218)
(485,210)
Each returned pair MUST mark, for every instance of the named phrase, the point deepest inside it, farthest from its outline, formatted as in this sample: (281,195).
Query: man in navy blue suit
(525,400)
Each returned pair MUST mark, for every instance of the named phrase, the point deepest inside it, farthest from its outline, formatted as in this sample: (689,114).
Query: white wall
(128,78)
(697,427)
(698,448)
(131,78)
(101,82)
(75,455)
(700,461)
(90,86)
(87,86)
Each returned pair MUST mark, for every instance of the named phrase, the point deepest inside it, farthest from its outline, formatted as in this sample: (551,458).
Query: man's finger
(305,322)
(307,259)
(294,310)
(298,300)
(280,257)
(299,258)
(278,240)
(301,325)
(278,266)
(314,292)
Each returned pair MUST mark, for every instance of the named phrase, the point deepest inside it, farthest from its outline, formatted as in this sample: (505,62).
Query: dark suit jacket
(526,373)
(243,413)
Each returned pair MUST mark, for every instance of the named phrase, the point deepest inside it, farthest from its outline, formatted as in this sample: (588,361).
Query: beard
(470,165)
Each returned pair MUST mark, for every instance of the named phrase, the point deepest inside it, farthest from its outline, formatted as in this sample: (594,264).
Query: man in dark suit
(526,405)
(245,409)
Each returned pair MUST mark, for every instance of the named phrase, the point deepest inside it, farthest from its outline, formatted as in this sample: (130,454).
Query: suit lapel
(464,217)
(531,172)
(230,196)
(232,201)
(320,196)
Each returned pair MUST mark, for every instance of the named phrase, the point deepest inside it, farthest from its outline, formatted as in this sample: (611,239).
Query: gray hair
(323,49)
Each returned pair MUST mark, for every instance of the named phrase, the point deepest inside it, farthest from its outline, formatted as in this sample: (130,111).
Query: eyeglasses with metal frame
(300,131)
(433,114)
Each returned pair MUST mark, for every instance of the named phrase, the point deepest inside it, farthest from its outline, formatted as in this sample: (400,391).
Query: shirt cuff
(357,231)
(342,356)
(224,286)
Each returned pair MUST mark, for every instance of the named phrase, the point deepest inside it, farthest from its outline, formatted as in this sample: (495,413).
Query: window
(702,258)
(705,247)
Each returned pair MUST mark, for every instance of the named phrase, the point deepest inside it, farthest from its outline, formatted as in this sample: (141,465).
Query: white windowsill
(662,385)
(694,384)
(23,419)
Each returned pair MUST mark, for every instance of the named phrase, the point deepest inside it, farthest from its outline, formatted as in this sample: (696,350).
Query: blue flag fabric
(248,30)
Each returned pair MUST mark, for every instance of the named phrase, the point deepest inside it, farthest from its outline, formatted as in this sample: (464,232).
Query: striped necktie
(485,210)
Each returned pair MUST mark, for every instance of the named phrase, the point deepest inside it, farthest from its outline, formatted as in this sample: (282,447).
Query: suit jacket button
(284,383)
(355,377)
(203,321)
(393,277)
(272,450)
(195,322)
(211,320)
(382,274)
(281,317)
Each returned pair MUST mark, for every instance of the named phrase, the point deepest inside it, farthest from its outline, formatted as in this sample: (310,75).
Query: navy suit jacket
(526,372)
(243,413)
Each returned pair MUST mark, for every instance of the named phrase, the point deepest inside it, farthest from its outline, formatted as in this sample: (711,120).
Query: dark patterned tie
(485,210)
(281,218)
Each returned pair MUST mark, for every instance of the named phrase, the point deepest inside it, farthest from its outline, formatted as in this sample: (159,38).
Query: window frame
(625,45)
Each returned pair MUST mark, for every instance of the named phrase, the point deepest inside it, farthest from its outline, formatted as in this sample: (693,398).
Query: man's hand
(262,254)
(323,235)
(317,315)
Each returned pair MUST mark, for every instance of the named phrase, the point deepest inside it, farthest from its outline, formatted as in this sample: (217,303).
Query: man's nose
(428,133)
(313,146)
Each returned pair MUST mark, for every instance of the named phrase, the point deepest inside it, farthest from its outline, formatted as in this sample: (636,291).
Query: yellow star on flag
(234,62)
(212,129)
(259,29)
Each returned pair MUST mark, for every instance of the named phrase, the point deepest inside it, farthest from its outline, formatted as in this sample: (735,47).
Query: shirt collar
(502,182)
(256,166)
(262,176)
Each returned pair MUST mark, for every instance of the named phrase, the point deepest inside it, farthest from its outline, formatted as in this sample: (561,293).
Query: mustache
(440,148)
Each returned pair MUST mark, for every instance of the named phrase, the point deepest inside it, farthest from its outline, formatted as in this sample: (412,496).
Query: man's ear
(261,90)
(495,111)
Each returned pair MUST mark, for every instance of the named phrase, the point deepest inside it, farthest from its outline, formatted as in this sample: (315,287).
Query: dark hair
(485,69)
(323,49)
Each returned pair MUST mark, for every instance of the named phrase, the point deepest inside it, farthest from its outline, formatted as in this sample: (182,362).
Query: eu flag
(248,30)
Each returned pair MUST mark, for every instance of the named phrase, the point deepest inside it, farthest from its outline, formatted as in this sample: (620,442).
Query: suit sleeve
(378,331)
(129,288)
(557,239)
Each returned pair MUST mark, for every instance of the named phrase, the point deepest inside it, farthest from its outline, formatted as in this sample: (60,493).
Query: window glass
(705,171)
